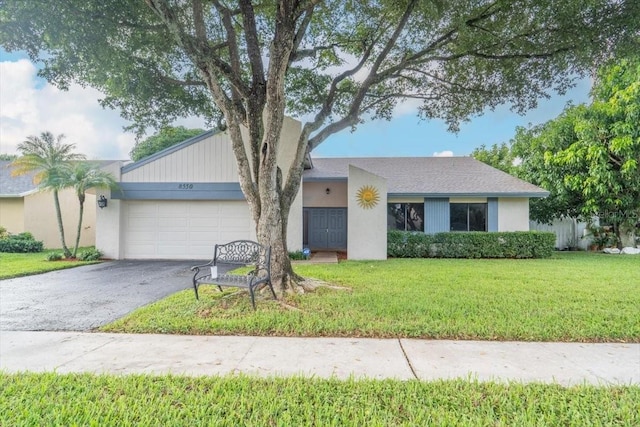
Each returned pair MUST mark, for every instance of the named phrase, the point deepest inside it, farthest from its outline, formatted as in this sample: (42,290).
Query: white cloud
(445,153)
(29,108)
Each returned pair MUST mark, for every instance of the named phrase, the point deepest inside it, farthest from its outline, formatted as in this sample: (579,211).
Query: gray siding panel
(492,214)
(178,191)
(436,215)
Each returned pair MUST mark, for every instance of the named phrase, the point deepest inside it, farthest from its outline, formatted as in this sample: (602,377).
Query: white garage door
(183,229)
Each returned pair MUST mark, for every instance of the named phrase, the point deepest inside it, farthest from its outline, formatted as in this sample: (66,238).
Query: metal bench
(239,253)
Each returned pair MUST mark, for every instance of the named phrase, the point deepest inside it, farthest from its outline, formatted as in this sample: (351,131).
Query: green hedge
(20,243)
(517,244)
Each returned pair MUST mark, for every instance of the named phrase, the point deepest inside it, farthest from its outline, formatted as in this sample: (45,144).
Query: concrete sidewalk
(562,363)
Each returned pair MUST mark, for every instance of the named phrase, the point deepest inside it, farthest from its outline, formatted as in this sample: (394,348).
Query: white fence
(569,232)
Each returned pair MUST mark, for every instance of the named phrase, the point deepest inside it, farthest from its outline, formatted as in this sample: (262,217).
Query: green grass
(572,297)
(83,399)
(17,265)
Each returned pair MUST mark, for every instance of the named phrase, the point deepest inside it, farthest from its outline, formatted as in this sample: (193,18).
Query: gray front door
(328,228)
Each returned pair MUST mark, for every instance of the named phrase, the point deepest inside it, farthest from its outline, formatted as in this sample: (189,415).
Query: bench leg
(253,298)
(195,289)
(272,291)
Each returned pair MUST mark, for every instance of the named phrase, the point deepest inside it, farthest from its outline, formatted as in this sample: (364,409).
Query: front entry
(327,228)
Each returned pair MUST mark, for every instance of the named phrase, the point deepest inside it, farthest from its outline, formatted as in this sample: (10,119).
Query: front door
(327,228)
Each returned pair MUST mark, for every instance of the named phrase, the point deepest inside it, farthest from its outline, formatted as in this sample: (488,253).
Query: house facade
(181,201)
(24,208)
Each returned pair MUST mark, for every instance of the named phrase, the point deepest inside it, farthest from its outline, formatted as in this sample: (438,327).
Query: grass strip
(105,400)
(18,265)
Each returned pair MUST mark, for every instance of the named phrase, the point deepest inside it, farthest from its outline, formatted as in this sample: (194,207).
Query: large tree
(589,156)
(334,62)
(48,156)
(164,138)
(499,156)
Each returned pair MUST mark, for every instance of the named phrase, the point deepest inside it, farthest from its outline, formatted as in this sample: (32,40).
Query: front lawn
(106,400)
(17,265)
(570,297)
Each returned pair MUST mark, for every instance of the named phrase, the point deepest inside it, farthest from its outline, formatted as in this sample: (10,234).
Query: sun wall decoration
(367,196)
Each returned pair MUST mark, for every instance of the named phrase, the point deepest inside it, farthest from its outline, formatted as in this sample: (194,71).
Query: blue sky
(29,105)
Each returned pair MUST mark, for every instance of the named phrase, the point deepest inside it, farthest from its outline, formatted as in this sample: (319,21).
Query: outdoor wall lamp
(102,202)
(328,190)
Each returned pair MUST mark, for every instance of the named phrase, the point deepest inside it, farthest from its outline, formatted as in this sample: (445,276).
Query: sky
(30,105)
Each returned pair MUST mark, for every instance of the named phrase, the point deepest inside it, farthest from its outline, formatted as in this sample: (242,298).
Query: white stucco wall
(366,228)
(109,219)
(40,218)
(315,194)
(513,214)
(12,214)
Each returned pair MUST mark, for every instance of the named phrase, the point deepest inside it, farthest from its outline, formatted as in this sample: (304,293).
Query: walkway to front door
(327,228)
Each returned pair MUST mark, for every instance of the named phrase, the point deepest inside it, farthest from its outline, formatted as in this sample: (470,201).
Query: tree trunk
(627,236)
(80,215)
(272,230)
(65,249)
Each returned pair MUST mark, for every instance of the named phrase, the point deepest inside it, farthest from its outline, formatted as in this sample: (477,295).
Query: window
(468,216)
(405,216)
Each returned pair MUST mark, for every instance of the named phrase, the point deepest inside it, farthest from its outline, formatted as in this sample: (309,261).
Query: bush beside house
(519,244)
(19,243)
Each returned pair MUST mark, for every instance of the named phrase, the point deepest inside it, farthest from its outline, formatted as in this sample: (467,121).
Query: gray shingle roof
(14,185)
(429,176)
(17,186)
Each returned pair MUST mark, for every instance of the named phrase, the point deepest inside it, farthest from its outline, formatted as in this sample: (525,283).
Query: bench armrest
(198,267)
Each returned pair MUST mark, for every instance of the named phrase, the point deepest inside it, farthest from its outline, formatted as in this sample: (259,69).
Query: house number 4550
(185,186)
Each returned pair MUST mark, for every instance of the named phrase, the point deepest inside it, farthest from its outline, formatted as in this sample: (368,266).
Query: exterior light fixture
(102,202)
(328,190)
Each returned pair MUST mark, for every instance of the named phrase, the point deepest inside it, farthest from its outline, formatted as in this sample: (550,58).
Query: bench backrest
(243,252)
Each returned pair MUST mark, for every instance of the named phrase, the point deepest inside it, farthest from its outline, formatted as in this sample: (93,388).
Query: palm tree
(48,156)
(82,176)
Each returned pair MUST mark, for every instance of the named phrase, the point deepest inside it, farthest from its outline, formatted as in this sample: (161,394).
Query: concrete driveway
(83,298)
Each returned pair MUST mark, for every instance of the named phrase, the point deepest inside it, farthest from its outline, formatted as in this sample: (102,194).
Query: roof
(429,176)
(14,186)
(169,150)
(22,185)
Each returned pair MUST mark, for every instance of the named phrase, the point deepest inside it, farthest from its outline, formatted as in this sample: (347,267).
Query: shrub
(3,233)
(90,255)
(518,244)
(54,256)
(296,256)
(20,243)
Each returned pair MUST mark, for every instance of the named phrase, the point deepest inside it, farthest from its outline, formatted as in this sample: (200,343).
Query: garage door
(182,229)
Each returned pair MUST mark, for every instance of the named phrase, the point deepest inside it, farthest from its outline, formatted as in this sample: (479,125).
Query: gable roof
(429,176)
(169,150)
(23,185)
(14,186)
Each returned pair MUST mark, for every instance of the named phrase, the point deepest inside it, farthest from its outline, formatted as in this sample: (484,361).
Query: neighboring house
(24,208)
(181,201)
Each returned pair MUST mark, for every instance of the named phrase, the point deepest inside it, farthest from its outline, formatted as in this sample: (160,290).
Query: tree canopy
(334,62)
(589,157)
(164,138)
(499,156)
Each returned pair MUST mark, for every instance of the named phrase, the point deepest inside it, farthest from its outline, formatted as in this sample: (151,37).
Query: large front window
(405,216)
(468,216)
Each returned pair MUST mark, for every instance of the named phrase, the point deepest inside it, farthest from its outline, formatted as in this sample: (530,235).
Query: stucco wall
(367,228)
(40,218)
(109,220)
(315,195)
(513,214)
(12,214)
